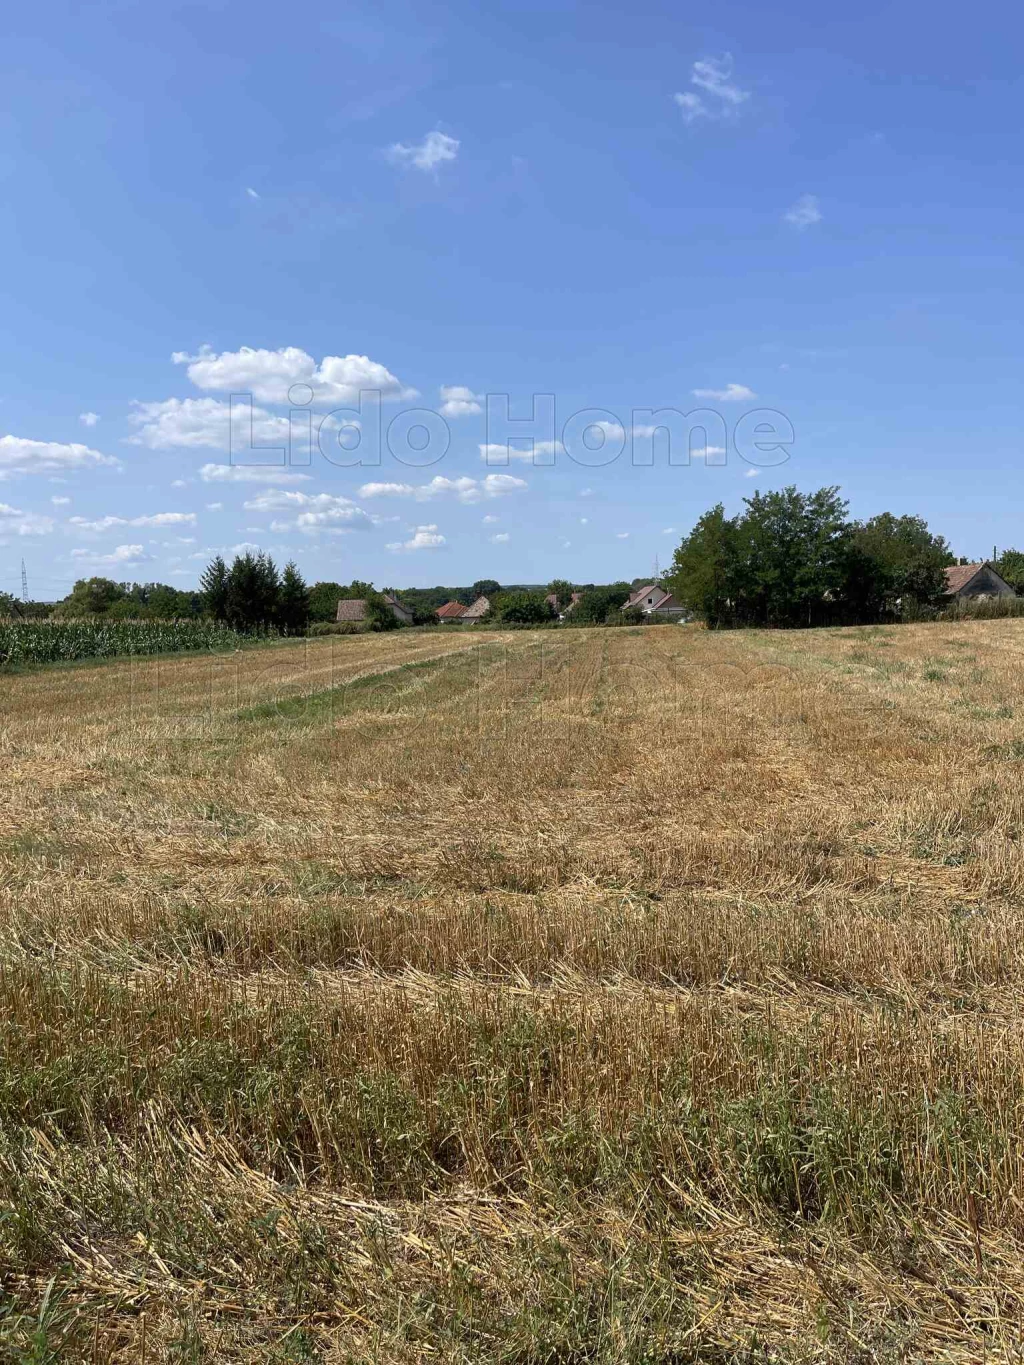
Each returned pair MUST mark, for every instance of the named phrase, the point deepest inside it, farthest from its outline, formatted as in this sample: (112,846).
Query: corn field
(47,642)
(596,996)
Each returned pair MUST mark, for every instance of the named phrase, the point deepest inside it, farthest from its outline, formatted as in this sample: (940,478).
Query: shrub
(337,628)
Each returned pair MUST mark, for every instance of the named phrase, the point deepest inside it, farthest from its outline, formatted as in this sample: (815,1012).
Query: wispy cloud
(88,419)
(250,473)
(313,511)
(502,538)
(720,97)
(732,393)
(156,519)
(251,192)
(804,213)
(497,452)
(124,555)
(466,489)
(433,151)
(15,522)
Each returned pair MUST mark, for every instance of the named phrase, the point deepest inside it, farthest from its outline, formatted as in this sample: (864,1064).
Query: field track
(559,996)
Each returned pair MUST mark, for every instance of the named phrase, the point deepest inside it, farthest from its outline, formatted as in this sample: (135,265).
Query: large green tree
(213,584)
(894,564)
(704,568)
(292,601)
(92,597)
(253,588)
(791,556)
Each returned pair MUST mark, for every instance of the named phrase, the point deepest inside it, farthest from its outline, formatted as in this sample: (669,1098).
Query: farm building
(353,609)
(964,581)
(399,608)
(653,600)
(450,612)
(476,612)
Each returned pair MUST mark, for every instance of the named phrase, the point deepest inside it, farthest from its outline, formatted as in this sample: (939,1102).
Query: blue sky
(812,213)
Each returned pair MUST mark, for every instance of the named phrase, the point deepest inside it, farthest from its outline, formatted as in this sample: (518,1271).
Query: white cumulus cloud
(502,538)
(88,419)
(18,455)
(196,423)
(433,151)
(268,375)
(423,538)
(458,401)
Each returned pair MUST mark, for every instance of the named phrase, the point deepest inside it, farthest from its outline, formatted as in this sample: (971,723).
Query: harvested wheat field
(558,996)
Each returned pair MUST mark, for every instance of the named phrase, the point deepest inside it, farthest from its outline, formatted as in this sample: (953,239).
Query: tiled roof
(351,609)
(450,611)
(960,575)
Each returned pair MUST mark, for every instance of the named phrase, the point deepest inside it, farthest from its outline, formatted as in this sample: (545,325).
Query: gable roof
(654,590)
(959,575)
(450,611)
(479,607)
(351,609)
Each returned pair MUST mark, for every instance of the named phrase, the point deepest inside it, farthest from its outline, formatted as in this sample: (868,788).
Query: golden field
(559,996)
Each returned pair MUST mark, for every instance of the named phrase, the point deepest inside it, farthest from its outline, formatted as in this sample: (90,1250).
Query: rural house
(476,612)
(569,605)
(653,600)
(965,581)
(451,611)
(353,609)
(399,608)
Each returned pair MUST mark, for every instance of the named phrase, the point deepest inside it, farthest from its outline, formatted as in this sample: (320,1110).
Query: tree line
(797,559)
(787,559)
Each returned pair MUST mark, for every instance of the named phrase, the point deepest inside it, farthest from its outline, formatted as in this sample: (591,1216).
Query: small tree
(379,615)
(597,605)
(323,600)
(214,587)
(562,590)
(1011,565)
(522,608)
(293,601)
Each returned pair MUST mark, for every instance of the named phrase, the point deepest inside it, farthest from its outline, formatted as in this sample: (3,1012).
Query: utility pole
(24,582)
